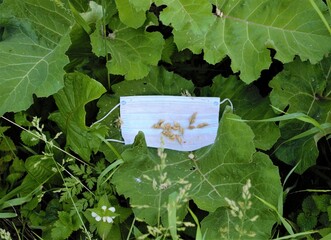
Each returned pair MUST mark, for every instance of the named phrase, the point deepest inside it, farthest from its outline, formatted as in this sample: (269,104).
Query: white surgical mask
(172,122)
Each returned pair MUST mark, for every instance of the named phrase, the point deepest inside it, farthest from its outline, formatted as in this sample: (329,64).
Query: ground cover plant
(65,64)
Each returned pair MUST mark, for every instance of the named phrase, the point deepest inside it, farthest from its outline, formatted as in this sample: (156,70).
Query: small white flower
(110,219)
(112,209)
(138,180)
(104,219)
(97,218)
(94,214)
(104,208)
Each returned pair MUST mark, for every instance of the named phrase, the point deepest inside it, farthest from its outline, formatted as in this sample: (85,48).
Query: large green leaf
(231,226)
(246,30)
(191,21)
(141,4)
(133,51)
(129,15)
(32,49)
(207,176)
(195,15)
(158,82)
(303,88)
(248,104)
(79,89)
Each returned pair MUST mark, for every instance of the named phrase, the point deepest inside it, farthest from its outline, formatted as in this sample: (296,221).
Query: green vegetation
(64,64)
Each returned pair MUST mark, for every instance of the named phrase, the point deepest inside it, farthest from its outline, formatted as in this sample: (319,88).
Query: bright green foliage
(208,176)
(239,221)
(94,13)
(168,50)
(142,4)
(29,139)
(79,89)
(85,173)
(248,28)
(249,105)
(158,82)
(21,119)
(187,15)
(245,30)
(129,15)
(304,88)
(32,50)
(102,217)
(65,225)
(75,51)
(290,27)
(133,51)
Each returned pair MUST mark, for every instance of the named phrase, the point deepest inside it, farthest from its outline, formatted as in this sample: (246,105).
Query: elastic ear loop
(103,118)
(227,100)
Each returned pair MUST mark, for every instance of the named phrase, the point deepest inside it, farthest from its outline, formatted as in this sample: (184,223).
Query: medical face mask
(173,122)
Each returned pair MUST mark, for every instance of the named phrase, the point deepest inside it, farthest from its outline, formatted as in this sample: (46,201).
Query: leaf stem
(131,228)
(320,14)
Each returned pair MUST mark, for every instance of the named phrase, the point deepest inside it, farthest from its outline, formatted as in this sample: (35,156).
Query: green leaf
(231,158)
(279,212)
(32,49)
(133,51)
(182,14)
(191,21)
(97,216)
(322,202)
(248,104)
(245,31)
(61,230)
(129,15)
(29,139)
(78,91)
(40,169)
(6,143)
(5,215)
(158,82)
(142,4)
(16,170)
(309,206)
(168,50)
(77,170)
(172,214)
(306,221)
(113,121)
(21,119)
(94,14)
(302,88)
(65,225)
(207,176)
(107,171)
(198,235)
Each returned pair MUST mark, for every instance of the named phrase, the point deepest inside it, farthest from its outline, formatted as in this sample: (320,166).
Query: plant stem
(320,14)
